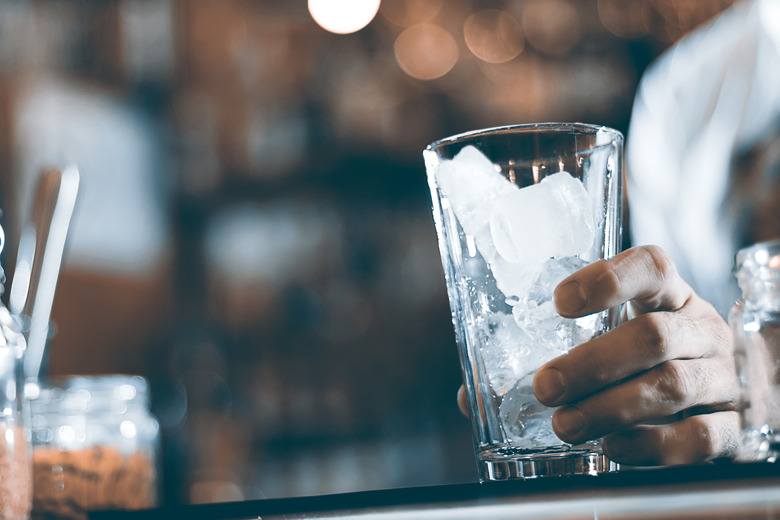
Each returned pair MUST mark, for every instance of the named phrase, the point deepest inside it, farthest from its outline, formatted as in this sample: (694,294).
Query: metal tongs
(38,261)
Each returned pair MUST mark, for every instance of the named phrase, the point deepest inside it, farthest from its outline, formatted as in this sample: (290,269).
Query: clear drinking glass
(517,209)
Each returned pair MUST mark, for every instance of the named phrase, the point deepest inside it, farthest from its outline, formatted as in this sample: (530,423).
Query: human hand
(660,388)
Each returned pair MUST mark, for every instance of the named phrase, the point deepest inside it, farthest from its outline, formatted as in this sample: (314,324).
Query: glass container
(755,324)
(15,446)
(95,446)
(517,209)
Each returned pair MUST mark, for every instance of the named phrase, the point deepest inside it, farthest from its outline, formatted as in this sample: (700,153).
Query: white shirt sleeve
(708,98)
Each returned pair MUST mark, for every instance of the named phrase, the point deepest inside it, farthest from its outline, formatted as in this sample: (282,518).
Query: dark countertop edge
(645,479)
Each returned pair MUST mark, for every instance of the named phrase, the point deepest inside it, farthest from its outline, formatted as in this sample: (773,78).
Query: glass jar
(755,324)
(95,446)
(15,446)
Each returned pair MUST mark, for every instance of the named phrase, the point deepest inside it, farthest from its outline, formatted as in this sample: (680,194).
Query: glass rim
(550,127)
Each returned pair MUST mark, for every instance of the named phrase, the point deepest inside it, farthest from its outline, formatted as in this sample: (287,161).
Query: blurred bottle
(755,323)
(95,446)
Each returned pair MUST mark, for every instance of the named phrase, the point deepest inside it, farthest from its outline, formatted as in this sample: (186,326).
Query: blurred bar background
(253,233)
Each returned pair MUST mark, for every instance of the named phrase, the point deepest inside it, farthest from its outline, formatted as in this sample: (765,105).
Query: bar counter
(712,491)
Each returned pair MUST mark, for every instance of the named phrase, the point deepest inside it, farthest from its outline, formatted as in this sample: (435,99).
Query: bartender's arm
(660,388)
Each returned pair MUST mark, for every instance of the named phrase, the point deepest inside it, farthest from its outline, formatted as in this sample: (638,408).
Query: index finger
(643,275)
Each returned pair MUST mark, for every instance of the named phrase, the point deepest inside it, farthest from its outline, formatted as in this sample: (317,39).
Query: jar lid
(758,275)
(84,394)
(762,254)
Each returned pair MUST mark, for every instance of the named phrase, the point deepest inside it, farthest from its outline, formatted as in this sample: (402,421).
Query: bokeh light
(426,51)
(343,16)
(551,26)
(410,12)
(493,36)
(523,89)
(622,22)
(673,19)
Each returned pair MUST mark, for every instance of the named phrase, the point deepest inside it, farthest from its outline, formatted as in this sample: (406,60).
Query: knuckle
(655,441)
(706,438)
(728,386)
(660,262)
(722,384)
(623,417)
(720,332)
(609,279)
(670,292)
(729,433)
(653,335)
(593,363)
(709,437)
(599,376)
(673,384)
(696,439)
(687,442)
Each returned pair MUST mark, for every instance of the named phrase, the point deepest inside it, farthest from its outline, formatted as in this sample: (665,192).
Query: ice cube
(512,279)
(513,227)
(535,312)
(471,183)
(549,219)
(504,350)
(540,318)
(575,222)
(553,272)
(516,230)
(524,419)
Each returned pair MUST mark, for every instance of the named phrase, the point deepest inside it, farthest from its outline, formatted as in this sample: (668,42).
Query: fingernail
(570,298)
(548,385)
(569,421)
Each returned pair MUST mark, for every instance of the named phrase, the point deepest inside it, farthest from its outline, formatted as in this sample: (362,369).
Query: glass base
(547,464)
